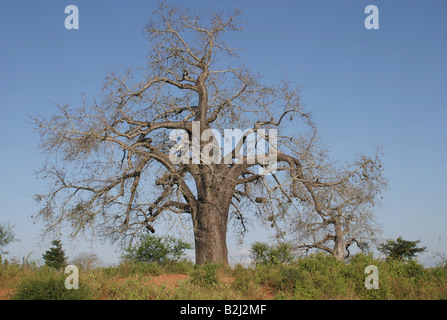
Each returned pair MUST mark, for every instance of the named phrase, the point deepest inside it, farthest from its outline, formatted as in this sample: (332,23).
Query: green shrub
(288,277)
(319,262)
(47,285)
(407,270)
(206,275)
(156,249)
(244,280)
(326,278)
(262,253)
(183,267)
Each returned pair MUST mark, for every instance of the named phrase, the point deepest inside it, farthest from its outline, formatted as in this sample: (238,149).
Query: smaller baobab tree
(336,211)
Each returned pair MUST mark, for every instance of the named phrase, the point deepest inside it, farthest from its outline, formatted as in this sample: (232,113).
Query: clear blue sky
(366,88)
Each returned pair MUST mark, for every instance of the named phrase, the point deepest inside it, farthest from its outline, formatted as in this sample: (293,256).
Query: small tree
(340,213)
(262,253)
(156,249)
(6,237)
(55,257)
(86,261)
(401,249)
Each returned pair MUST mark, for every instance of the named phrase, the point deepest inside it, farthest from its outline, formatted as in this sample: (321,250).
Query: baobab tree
(340,214)
(154,142)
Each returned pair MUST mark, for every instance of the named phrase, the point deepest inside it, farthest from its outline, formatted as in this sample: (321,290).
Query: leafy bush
(323,277)
(244,279)
(182,267)
(287,278)
(206,275)
(48,285)
(262,253)
(156,249)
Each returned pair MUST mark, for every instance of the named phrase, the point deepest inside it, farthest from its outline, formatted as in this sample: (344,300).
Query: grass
(315,277)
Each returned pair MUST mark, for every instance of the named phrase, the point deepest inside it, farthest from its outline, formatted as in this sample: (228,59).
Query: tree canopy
(401,249)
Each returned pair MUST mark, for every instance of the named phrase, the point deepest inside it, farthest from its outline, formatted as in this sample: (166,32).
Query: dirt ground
(4,293)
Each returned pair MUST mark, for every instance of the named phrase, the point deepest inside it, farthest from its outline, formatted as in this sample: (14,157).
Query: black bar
(221,309)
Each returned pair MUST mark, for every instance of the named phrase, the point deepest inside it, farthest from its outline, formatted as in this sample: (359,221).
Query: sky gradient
(365,88)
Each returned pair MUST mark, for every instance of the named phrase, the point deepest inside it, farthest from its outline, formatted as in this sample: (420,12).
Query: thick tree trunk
(210,233)
(339,252)
(339,244)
